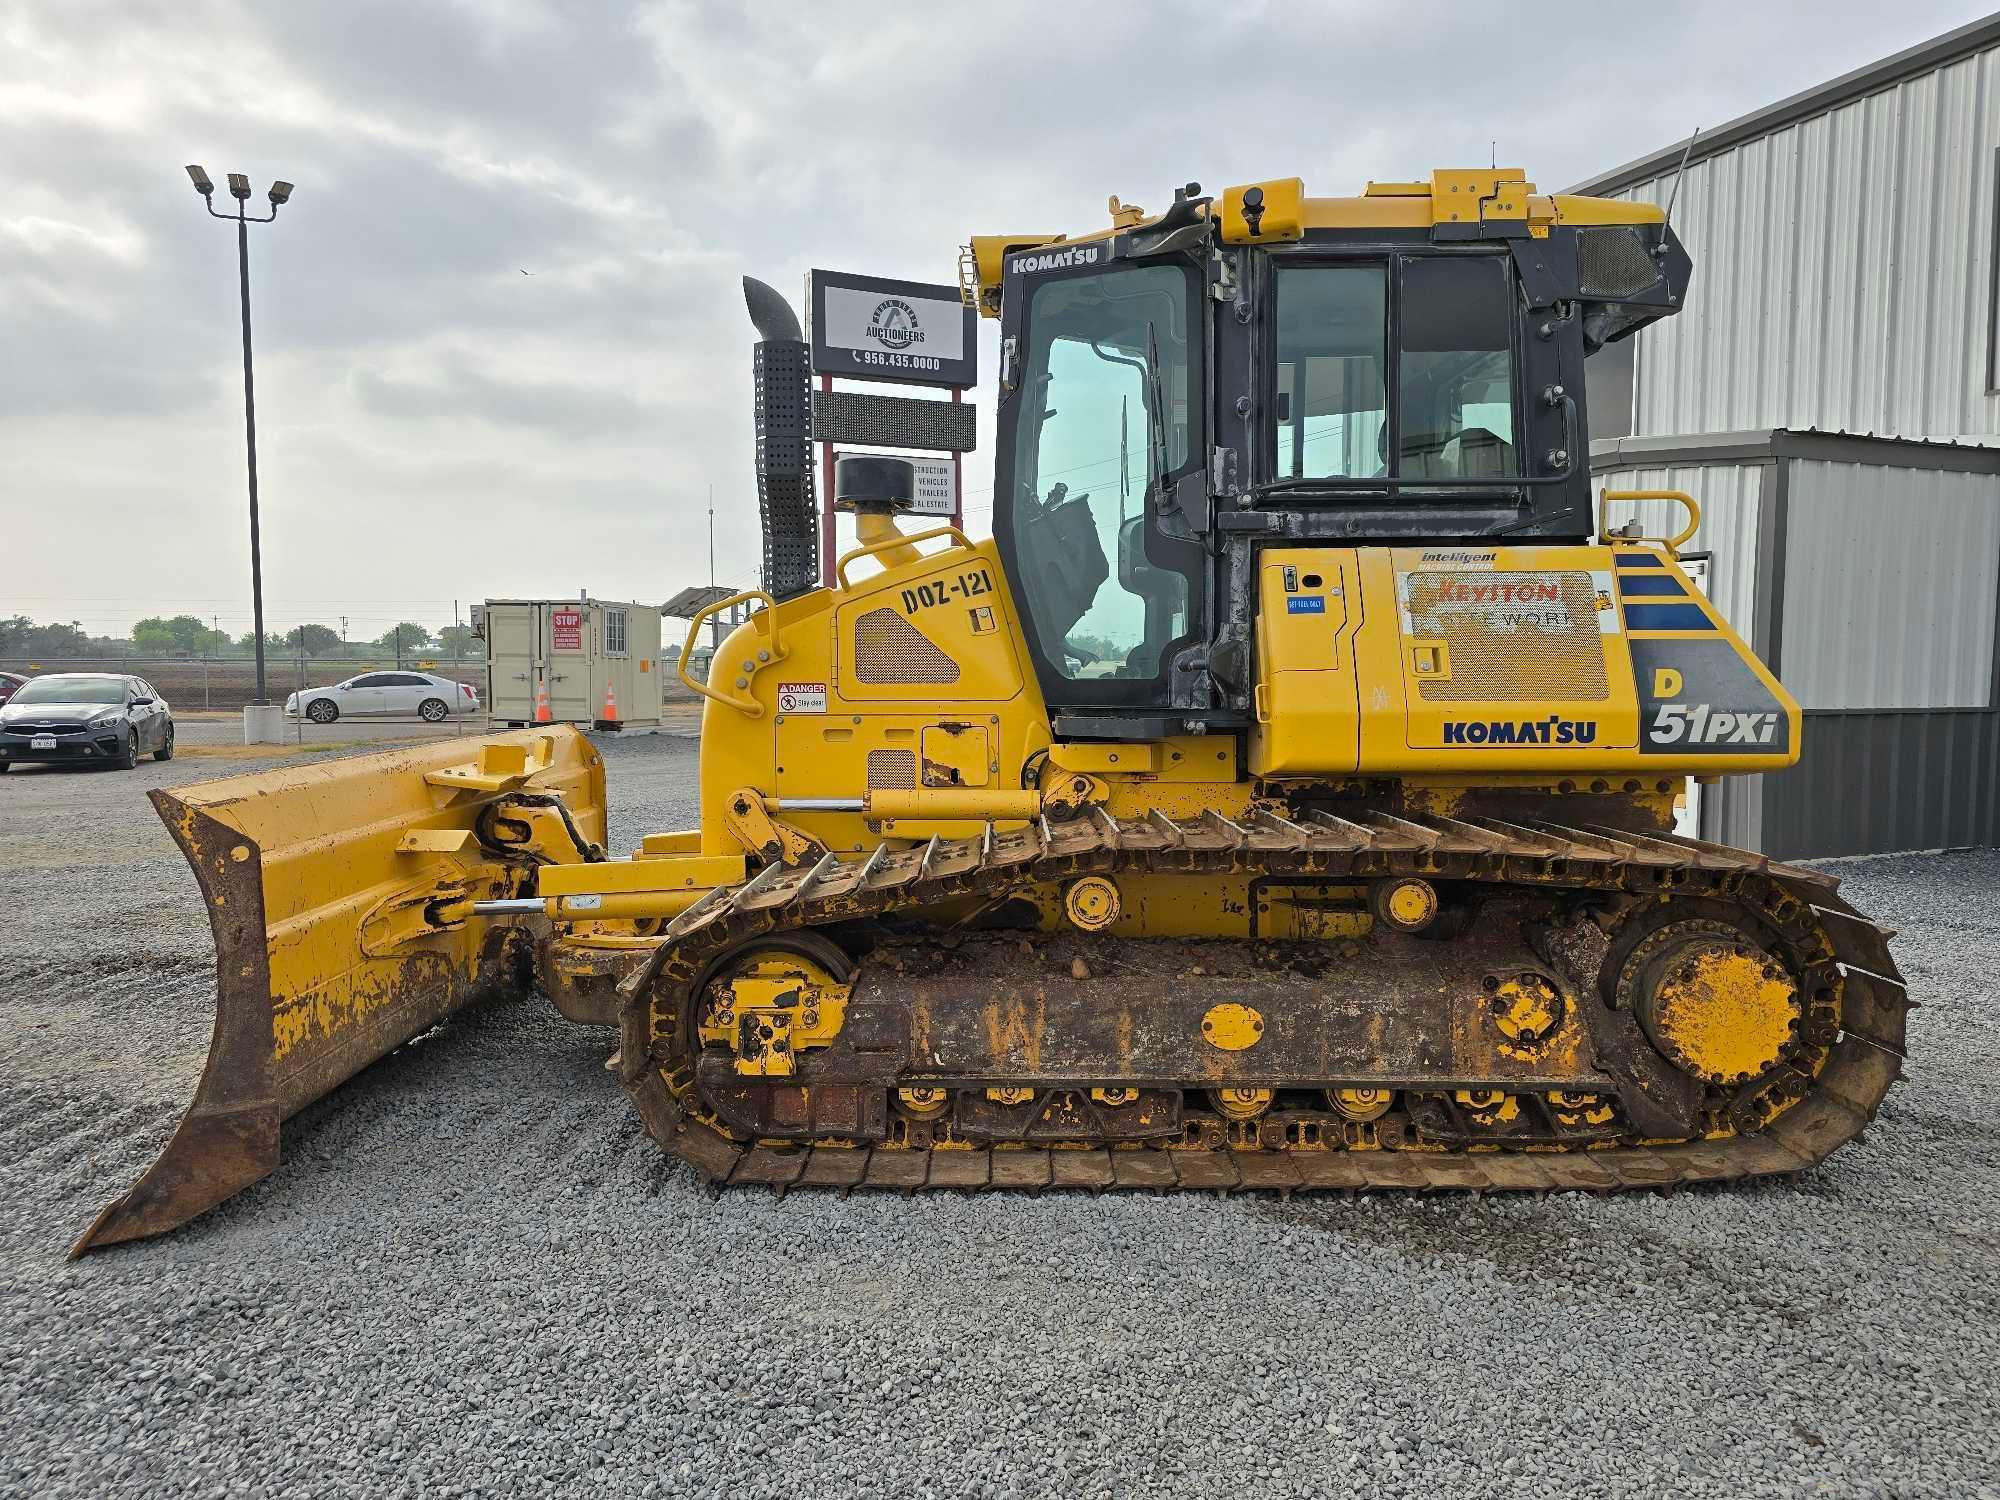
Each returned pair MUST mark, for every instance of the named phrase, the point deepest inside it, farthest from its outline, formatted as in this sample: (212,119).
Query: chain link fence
(193,683)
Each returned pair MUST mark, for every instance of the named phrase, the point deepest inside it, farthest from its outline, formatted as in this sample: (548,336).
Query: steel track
(1848,968)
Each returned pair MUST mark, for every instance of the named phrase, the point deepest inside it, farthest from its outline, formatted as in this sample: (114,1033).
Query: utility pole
(711,536)
(281,192)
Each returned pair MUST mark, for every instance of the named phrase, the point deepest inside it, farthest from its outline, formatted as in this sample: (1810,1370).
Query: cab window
(1454,380)
(1333,359)
(1105,393)
(1449,366)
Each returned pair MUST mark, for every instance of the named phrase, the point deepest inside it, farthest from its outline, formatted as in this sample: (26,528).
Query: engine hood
(16,714)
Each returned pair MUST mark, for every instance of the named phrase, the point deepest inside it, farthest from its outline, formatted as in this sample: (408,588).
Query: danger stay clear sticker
(801,697)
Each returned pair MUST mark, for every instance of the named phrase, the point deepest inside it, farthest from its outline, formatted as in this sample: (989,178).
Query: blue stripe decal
(1638,559)
(1656,584)
(1666,617)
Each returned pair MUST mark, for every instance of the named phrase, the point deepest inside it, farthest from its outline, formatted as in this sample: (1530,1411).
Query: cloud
(459,391)
(426,411)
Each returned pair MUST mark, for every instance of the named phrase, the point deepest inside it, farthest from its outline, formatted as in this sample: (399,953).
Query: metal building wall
(1843,270)
(1890,640)
(1890,578)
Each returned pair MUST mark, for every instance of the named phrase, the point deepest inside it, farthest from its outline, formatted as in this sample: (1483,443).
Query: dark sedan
(84,718)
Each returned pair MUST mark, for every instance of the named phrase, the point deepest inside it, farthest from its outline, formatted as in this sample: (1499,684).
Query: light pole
(239,189)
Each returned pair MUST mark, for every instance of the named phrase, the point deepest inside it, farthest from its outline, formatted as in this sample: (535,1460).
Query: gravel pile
(473,1275)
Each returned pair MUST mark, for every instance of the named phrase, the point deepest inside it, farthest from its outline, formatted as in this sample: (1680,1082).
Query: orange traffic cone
(610,705)
(542,714)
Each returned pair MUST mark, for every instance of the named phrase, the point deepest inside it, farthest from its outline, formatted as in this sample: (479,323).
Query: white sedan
(431,698)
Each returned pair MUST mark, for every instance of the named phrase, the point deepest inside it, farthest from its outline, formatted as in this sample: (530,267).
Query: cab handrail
(1672,544)
(776,653)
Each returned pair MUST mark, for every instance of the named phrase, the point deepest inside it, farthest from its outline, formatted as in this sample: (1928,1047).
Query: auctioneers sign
(915,332)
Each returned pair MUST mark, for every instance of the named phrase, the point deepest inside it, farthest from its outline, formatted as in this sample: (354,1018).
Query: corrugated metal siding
(1890,583)
(1842,271)
(1874,783)
(1728,495)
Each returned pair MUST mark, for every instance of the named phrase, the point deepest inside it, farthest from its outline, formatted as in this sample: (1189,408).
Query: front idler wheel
(1714,1002)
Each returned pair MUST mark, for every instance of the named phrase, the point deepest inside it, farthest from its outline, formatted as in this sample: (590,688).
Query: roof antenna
(1493,154)
(1674,195)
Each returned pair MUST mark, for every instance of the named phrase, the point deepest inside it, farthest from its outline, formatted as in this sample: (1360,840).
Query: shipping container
(597,660)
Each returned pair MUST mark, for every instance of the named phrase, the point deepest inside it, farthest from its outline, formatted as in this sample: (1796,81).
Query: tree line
(188,635)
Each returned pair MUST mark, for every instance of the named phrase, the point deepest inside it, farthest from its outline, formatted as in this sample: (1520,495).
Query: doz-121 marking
(930,595)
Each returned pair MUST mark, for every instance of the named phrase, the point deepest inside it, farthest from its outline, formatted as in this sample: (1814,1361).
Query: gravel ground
(473,1275)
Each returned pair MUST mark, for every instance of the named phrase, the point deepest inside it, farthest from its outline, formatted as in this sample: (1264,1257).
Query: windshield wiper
(1156,411)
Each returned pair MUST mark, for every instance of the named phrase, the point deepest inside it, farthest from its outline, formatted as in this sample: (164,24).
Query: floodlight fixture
(239,186)
(281,192)
(200,180)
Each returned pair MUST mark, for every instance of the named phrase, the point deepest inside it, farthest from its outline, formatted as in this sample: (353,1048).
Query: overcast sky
(433,423)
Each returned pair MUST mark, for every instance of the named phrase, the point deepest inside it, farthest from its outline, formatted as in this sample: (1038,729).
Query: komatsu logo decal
(1056,260)
(1550,731)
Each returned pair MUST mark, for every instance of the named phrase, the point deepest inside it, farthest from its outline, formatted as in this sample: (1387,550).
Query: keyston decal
(1456,591)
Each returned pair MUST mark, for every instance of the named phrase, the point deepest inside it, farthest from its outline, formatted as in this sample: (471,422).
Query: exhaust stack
(786,500)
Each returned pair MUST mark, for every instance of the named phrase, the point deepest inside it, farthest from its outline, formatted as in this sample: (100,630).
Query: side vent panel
(892,770)
(889,649)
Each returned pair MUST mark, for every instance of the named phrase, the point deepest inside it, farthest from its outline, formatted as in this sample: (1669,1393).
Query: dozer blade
(337,897)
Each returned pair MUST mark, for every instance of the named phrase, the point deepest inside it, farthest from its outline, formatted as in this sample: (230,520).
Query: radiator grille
(889,649)
(892,770)
(1511,636)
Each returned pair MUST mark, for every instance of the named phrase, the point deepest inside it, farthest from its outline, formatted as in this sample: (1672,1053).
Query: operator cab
(1401,368)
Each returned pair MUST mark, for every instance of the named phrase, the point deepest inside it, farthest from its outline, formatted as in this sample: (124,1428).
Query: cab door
(1100,419)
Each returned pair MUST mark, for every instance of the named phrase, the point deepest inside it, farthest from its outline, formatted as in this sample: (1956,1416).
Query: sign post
(907,332)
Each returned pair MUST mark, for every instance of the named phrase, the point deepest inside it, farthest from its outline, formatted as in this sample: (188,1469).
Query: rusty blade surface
(321,966)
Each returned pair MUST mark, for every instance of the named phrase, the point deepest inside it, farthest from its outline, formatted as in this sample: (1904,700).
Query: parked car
(101,717)
(9,681)
(375,694)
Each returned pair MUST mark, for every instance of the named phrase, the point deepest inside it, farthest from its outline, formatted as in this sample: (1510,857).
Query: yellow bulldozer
(1282,798)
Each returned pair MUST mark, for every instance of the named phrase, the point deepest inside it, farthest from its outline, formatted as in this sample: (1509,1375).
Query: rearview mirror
(142,702)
